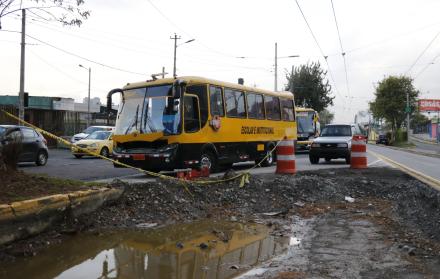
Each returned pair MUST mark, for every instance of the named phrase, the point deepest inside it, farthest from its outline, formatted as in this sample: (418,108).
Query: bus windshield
(143,110)
(305,122)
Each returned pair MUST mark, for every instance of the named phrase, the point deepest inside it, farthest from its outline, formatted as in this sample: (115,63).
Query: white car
(334,142)
(90,130)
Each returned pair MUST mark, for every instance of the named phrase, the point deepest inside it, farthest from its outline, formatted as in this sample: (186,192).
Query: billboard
(429,104)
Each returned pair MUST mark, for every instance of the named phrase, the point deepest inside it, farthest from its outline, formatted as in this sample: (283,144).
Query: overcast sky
(380,38)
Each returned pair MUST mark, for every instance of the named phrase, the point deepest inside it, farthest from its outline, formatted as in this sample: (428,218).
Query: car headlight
(342,145)
(315,144)
(93,145)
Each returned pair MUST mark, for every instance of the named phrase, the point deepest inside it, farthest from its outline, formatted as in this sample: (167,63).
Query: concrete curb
(25,218)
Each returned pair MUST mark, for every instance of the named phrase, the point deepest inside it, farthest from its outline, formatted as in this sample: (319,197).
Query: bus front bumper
(151,159)
(303,144)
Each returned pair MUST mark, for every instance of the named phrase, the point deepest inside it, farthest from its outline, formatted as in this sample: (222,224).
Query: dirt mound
(413,203)
(408,210)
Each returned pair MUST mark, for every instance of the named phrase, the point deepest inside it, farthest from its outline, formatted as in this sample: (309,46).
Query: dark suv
(382,139)
(34,145)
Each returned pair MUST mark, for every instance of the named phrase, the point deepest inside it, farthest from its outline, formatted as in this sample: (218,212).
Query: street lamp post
(175,38)
(276,65)
(88,95)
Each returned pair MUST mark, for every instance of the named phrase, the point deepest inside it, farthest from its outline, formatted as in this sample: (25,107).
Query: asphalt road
(426,147)
(62,164)
(424,164)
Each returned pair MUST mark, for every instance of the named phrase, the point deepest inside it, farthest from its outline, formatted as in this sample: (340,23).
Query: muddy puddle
(197,250)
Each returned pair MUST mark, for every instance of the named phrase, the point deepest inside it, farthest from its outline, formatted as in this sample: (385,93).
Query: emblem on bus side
(215,123)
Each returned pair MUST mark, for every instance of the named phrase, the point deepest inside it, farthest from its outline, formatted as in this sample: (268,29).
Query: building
(60,116)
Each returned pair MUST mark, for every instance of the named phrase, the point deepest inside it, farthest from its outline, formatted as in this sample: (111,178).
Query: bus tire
(209,159)
(270,156)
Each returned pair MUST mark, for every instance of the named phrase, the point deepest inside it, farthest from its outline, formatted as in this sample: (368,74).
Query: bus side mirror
(178,89)
(172,106)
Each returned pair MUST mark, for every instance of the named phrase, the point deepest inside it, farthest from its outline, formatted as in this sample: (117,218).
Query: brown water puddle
(198,250)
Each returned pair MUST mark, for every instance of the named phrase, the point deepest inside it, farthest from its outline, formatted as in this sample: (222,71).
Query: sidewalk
(425,138)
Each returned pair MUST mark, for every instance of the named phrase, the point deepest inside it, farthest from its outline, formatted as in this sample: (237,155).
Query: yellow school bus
(189,122)
(308,127)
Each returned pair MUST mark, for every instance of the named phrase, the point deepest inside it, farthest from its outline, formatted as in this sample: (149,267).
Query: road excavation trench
(375,223)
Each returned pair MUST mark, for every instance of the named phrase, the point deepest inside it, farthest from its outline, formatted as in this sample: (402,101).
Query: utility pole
(22,64)
(276,68)
(291,81)
(407,116)
(163,72)
(175,38)
(88,94)
(88,103)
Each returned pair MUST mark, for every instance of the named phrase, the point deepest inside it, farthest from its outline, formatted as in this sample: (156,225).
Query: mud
(392,229)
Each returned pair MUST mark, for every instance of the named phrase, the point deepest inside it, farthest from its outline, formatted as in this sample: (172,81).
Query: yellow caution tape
(244,175)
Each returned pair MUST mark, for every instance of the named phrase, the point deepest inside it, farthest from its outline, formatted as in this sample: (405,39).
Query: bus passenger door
(191,114)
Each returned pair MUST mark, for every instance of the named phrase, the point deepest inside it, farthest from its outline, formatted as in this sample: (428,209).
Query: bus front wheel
(270,156)
(209,160)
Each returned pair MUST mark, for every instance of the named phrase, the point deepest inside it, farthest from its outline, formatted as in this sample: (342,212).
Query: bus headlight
(343,145)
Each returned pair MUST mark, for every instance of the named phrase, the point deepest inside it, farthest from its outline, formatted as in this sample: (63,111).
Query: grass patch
(404,144)
(18,186)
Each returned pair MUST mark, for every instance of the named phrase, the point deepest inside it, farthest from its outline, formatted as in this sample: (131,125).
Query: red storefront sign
(429,104)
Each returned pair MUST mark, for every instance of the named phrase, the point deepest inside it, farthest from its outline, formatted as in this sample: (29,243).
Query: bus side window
(235,104)
(216,101)
(201,92)
(273,111)
(287,107)
(191,114)
(255,106)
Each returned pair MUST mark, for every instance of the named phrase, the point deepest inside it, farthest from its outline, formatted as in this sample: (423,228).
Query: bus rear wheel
(209,160)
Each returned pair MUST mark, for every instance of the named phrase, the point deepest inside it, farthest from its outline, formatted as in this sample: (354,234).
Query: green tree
(66,12)
(326,117)
(419,121)
(310,86)
(390,101)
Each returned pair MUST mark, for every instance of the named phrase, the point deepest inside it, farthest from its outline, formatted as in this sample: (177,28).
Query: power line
(188,34)
(423,52)
(342,49)
(84,58)
(56,68)
(320,49)
(427,66)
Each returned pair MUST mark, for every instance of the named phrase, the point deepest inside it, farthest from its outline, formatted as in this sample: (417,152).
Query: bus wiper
(136,117)
(134,122)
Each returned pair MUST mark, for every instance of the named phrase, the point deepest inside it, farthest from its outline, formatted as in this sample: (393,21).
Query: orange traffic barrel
(358,153)
(286,157)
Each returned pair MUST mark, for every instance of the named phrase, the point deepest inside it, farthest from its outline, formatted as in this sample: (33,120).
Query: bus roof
(195,79)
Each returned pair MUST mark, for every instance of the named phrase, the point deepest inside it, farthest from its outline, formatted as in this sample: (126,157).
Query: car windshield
(92,129)
(305,123)
(99,135)
(336,131)
(143,110)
